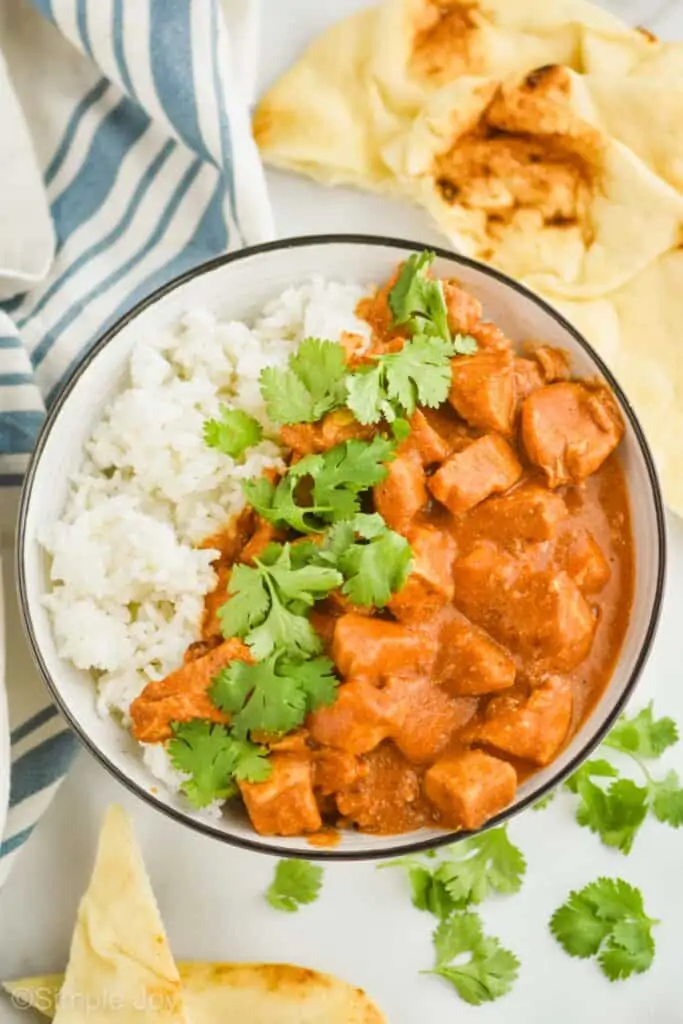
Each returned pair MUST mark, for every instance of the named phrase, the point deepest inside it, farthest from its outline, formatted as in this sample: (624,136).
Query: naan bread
(521,175)
(243,993)
(120,968)
(363,81)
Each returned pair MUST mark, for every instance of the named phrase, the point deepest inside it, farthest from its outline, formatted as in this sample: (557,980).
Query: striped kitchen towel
(127,158)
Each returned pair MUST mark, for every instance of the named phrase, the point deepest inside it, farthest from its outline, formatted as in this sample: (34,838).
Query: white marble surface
(363,927)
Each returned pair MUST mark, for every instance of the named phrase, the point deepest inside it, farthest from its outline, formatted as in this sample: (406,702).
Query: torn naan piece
(360,84)
(120,968)
(243,993)
(520,175)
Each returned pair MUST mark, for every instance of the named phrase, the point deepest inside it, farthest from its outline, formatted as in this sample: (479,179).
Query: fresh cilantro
(465,345)
(296,882)
(375,570)
(272,696)
(484,863)
(490,971)
(465,873)
(420,373)
(313,384)
(337,478)
(616,811)
(418,299)
(545,801)
(643,735)
(233,433)
(266,603)
(607,919)
(214,759)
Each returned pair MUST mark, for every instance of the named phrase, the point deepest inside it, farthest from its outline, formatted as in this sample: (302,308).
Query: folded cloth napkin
(127,157)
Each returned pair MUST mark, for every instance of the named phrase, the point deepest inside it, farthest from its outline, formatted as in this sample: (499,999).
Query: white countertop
(363,927)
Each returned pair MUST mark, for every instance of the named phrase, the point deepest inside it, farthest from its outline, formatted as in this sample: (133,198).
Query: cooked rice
(128,582)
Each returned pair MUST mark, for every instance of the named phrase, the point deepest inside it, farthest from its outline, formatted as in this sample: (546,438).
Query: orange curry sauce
(480,670)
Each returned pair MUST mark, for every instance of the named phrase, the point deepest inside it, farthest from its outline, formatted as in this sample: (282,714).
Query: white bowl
(236,287)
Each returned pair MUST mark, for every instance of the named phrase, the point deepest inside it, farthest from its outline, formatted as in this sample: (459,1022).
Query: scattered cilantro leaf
(607,919)
(313,383)
(667,800)
(615,814)
(484,863)
(233,433)
(487,975)
(644,735)
(340,474)
(296,882)
(248,603)
(545,801)
(214,758)
(278,505)
(272,696)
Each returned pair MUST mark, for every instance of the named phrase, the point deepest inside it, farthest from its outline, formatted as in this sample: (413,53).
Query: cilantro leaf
(465,345)
(487,975)
(285,631)
(428,891)
(272,696)
(247,604)
(419,373)
(343,472)
(643,735)
(376,570)
(313,383)
(417,298)
(481,864)
(545,801)
(607,919)
(667,800)
(213,759)
(296,882)
(233,433)
(615,814)
(278,505)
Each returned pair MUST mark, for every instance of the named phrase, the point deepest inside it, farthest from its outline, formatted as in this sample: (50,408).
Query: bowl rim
(402,846)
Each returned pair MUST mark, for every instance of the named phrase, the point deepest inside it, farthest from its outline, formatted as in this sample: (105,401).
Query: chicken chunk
(586,563)
(569,430)
(529,513)
(424,439)
(553,362)
(534,728)
(487,466)
(374,649)
(334,428)
(469,788)
(403,492)
(335,769)
(386,798)
(483,390)
(430,584)
(491,338)
(182,696)
(423,717)
(356,722)
(541,615)
(464,311)
(285,804)
(470,663)
(528,377)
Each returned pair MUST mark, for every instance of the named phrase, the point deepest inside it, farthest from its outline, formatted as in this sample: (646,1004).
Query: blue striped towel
(127,158)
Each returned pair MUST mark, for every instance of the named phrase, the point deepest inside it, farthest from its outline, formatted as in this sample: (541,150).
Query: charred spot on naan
(447,40)
(528,150)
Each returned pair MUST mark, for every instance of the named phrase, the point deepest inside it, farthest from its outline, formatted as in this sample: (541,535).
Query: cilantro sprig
(233,433)
(215,760)
(490,971)
(313,383)
(615,807)
(607,920)
(465,873)
(337,479)
(274,695)
(268,602)
(295,883)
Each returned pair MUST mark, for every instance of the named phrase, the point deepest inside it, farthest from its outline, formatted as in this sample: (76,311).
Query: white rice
(128,582)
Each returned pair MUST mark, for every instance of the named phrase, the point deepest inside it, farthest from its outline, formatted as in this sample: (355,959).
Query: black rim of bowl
(399,847)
